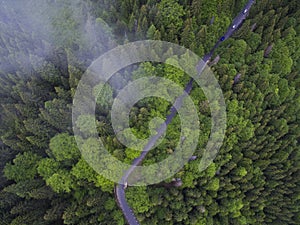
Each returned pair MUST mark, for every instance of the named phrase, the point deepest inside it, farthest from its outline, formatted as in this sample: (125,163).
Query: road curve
(120,187)
(122,203)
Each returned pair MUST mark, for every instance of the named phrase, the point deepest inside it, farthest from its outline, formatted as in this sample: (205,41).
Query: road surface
(120,188)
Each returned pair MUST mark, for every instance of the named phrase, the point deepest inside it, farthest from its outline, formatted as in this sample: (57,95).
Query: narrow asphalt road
(120,188)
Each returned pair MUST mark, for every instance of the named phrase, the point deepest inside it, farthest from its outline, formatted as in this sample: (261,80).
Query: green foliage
(103,93)
(82,170)
(138,198)
(211,170)
(86,124)
(282,62)
(255,176)
(61,181)
(105,184)
(242,172)
(169,16)
(213,185)
(151,32)
(47,167)
(24,167)
(64,147)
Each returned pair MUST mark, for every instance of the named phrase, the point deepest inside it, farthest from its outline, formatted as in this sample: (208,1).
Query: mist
(33,31)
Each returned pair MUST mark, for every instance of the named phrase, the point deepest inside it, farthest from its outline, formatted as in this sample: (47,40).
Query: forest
(46,47)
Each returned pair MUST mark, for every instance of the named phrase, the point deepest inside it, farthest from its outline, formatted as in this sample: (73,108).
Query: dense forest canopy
(46,46)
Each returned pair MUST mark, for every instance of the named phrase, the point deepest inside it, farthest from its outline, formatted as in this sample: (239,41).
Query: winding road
(122,185)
